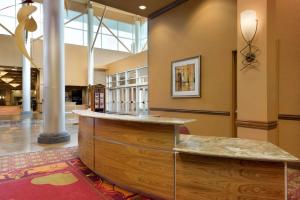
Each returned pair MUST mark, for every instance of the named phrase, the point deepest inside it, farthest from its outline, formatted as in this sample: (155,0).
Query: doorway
(234,93)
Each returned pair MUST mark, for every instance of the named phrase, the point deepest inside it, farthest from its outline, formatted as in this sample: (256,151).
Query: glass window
(127,42)
(109,42)
(77,23)
(112,25)
(10,8)
(76,30)
(125,30)
(73,36)
(85,39)
(144,30)
(9,23)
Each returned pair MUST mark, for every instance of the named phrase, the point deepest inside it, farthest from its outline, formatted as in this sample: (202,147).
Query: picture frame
(186,78)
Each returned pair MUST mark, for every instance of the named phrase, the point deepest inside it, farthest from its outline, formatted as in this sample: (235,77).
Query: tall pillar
(54,74)
(257,87)
(26,82)
(90,44)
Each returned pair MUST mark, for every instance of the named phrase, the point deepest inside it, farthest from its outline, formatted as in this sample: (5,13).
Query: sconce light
(249,25)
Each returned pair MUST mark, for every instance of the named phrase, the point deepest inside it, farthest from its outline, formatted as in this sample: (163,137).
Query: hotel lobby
(149,100)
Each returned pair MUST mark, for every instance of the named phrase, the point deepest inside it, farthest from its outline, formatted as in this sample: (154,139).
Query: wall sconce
(249,25)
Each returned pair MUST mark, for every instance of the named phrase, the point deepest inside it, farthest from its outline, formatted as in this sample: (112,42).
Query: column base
(45,138)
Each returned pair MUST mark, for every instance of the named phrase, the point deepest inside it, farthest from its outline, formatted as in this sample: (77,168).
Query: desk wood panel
(86,141)
(143,170)
(209,178)
(158,136)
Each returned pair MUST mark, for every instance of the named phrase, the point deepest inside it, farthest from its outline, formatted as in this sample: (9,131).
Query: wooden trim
(203,112)
(166,8)
(257,124)
(289,117)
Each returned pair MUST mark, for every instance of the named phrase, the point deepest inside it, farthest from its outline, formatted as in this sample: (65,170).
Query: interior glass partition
(127,92)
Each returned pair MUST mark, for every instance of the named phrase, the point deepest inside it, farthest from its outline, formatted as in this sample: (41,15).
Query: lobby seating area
(149,100)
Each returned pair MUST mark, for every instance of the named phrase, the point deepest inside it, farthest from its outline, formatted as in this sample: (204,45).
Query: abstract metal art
(27,24)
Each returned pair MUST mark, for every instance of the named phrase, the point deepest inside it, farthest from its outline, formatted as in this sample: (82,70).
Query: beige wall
(100,77)
(133,61)
(9,55)
(288,36)
(207,28)
(257,93)
(76,61)
(275,81)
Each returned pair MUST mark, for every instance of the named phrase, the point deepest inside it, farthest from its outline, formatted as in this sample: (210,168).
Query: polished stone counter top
(232,148)
(131,118)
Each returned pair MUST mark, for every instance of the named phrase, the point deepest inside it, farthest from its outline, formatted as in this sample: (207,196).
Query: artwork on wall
(186,77)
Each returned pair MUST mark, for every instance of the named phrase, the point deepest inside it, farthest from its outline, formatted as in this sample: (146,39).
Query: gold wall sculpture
(28,24)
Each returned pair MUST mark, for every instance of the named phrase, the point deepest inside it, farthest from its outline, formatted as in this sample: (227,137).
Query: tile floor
(19,134)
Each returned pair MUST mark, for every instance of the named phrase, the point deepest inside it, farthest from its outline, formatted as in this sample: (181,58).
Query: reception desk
(148,155)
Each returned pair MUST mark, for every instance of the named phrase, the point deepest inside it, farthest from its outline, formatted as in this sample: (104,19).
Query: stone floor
(18,134)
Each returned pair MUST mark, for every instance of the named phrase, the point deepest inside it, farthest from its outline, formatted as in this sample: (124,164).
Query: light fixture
(142,7)
(7,80)
(249,25)
(2,73)
(14,84)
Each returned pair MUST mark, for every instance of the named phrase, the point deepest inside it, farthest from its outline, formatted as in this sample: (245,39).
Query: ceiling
(133,5)
(16,74)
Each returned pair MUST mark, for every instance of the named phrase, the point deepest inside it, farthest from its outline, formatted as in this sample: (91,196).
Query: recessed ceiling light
(7,80)
(142,7)
(2,73)
(14,84)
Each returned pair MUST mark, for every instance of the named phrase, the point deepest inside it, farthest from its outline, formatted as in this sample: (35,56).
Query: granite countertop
(232,148)
(131,118)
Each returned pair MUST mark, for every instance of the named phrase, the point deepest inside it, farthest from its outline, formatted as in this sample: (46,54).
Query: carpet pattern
(62,168)
(294,183)
(51,175)
(26,160)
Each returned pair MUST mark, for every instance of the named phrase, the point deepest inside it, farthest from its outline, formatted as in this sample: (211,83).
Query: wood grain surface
(86,141)
(209,178)
(158,136)
(143,170)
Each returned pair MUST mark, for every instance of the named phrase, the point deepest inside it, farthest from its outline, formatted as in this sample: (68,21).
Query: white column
(54,74)
(90,44)
(26,81)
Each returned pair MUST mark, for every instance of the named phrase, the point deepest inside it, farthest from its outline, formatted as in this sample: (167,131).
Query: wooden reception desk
(147,155)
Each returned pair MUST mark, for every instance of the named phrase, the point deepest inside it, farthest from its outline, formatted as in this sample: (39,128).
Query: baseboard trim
(289,117)
(269,125)
(201,112)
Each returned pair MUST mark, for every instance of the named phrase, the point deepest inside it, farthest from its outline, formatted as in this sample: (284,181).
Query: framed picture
(186,77)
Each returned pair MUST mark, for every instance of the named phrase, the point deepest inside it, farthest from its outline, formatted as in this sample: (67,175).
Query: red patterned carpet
(294,183)
(56,174)
(59,174)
